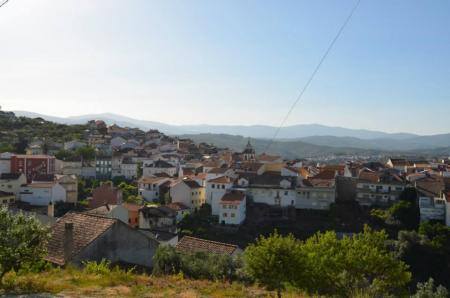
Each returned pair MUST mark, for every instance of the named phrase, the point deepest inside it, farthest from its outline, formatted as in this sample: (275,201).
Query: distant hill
(254,131)
(413,143)
(306,139)
(288,149)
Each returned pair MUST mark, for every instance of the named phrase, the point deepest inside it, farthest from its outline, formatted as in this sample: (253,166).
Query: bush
(198,265)
(22,241)
(428,290)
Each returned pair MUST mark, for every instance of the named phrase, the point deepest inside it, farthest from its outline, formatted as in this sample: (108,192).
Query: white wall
(235,214)
(42,196)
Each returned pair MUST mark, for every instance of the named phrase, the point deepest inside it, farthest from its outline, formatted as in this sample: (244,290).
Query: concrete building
(432,208)
(32,165)
(111,211)
(6,198)
(42,193)
(313,194)
(232,208)
(188,192)
(149,187)
(11,182)
(215,189)
(151,168)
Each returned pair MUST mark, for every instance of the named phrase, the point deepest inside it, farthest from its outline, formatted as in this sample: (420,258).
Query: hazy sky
(230,62)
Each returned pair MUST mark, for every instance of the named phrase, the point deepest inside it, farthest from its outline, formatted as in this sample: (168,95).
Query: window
(232,214)
(292,202)
(286,193)
(225,214)
(213,186)
(223,186)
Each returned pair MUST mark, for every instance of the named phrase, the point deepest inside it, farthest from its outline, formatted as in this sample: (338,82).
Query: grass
(97,282)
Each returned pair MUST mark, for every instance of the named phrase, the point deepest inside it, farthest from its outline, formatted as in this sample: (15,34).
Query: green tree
(132,199)
(22,241)
(407,213)
(128,190)
(428,290)
(275,261)
(361,262)
(166,260)
(86,152)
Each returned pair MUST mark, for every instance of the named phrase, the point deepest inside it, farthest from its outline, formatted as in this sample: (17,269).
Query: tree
(428,290)
(22,241)
(274,261)
(166,260)
(423,257)
(132,199)
(128,190)
(361,262)
(407,213)
(86,152)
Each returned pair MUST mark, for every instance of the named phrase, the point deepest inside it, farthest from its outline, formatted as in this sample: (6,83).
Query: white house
(274,190)
(148,187)
(432,208)
(447,208)
(112,211)
(42,193)
(188,192)
(180,209)
(378,193)
(128,168)
(11,182)
(315,195)
(5,162)
(158,167)
(232,208)
(215,189)
(218,172)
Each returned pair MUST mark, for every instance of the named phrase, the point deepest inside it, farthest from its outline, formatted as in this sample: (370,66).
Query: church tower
(249,153)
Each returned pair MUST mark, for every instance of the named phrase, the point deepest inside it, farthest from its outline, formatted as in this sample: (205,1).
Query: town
(118,193)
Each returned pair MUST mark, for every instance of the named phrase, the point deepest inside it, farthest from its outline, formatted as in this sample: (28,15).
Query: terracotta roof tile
(86,228)
(191,245)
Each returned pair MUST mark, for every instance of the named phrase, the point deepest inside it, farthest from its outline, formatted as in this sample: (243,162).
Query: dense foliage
(168,260)
(20,131)
(327,265)
(427,252)
(22,241)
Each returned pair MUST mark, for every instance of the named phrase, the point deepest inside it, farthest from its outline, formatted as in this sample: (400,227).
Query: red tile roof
(177,206)
(233,197)
(221,179)
(86,228)
(191,245)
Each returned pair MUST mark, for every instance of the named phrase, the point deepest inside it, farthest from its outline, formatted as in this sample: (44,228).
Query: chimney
(51,209)
(68,240)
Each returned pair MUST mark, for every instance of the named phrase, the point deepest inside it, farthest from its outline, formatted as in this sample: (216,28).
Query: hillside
(313,134)
(254,131)
(72,282)
(288,149)
(17,132)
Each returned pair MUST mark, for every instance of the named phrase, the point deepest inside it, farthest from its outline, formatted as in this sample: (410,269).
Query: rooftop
(191,245)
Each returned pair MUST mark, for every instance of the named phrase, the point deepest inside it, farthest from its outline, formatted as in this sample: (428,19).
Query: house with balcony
(383,189)
(150,187)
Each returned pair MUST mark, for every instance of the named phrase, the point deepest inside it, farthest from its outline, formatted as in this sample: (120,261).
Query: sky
(230,62)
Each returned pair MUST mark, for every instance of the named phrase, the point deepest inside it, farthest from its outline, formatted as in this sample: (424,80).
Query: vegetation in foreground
(98,280)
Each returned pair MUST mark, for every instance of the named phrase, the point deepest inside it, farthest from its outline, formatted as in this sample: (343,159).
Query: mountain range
(311,136)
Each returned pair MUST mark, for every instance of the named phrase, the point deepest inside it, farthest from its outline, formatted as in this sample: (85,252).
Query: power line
(6,1)
(336,37)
